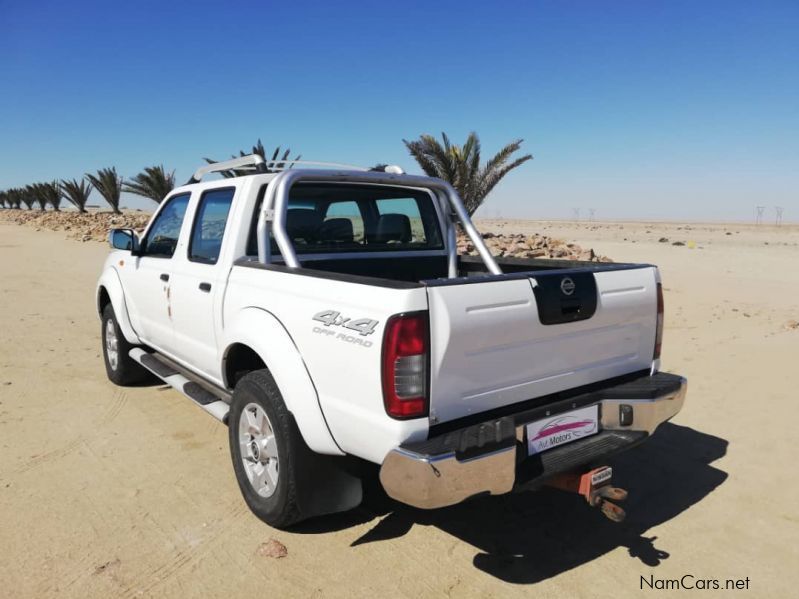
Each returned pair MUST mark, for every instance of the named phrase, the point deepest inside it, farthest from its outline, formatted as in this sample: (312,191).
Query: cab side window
(209,225)
(162,238)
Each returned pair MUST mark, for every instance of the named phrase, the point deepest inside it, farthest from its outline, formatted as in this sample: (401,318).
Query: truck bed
(497,340)
(427,270)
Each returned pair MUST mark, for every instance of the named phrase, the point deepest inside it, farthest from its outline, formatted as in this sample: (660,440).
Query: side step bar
(208,401)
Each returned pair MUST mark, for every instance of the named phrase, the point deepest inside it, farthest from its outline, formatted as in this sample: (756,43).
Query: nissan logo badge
(567,286)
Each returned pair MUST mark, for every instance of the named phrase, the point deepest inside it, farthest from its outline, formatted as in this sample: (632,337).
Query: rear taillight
(405,359)
(659,330)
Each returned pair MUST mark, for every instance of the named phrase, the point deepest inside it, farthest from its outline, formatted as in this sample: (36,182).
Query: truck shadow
(527,537)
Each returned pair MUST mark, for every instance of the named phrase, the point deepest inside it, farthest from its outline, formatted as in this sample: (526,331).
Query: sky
(636,109)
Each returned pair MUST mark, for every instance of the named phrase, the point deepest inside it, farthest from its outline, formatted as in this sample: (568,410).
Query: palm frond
(153,183)
(460,165)
(502,156)
(495,176)
(416,150)
(279,162)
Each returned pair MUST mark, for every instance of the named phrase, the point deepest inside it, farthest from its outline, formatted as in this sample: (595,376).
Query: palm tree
(109,184)
(13,198)
(281,164)
(77,192)
(3,198)
(153,183)
(52,193)
(26,196)
(460,165)
(21,196)
(38,194)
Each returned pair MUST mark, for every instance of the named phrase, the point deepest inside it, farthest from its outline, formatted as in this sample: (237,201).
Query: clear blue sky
(639,109)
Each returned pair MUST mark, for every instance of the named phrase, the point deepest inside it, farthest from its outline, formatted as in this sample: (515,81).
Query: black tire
(281,509)
(126,371)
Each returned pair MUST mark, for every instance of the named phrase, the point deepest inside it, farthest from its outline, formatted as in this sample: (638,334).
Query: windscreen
(338,218)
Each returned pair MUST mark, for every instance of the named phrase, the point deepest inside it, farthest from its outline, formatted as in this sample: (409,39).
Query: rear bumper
(491,457)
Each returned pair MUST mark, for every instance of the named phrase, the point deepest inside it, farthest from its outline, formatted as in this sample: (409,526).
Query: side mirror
(124,239)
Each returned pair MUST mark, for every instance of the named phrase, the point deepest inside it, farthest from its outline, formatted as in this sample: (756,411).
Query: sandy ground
(110,492)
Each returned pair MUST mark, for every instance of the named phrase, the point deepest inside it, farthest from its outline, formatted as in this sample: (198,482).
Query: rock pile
(517,245)
(91,226)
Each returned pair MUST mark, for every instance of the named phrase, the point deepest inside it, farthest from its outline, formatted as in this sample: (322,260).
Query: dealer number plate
(561,429)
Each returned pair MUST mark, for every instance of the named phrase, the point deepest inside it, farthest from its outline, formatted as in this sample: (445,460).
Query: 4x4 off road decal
(331,318)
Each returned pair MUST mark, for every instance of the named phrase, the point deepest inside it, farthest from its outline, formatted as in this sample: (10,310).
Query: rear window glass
(209,225)
(334,218)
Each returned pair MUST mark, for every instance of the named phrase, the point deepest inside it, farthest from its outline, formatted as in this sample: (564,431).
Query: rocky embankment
(517,245)
(90,226)
(94,226)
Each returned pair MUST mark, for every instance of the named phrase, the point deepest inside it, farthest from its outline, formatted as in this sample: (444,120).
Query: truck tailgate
(504,340)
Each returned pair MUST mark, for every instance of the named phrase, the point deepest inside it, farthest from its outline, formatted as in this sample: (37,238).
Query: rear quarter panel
(344,365)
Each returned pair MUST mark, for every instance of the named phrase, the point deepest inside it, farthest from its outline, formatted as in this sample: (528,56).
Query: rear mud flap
(325,483)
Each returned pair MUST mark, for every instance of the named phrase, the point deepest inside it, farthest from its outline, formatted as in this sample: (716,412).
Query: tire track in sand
(148,580)
(109,415)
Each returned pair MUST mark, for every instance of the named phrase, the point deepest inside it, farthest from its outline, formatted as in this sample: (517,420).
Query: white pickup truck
(327,318)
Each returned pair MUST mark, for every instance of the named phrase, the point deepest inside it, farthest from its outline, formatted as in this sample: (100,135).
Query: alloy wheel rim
(111,344)
(258,449)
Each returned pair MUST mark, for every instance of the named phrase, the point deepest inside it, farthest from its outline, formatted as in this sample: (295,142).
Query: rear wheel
(119,366)
(264,443)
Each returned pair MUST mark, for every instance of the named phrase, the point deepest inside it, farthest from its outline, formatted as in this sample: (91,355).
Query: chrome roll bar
(275,205)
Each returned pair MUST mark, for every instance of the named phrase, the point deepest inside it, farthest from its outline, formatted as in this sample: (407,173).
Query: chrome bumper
(433,481)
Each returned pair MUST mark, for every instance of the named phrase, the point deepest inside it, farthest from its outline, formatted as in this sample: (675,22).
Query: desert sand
(111,492)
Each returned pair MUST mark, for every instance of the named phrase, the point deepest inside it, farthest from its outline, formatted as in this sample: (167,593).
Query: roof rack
(283,165)
(252,160)
(257,164)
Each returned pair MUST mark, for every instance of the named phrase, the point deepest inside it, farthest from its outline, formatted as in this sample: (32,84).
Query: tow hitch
(595,486)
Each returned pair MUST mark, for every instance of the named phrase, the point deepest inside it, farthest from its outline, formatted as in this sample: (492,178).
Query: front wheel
(119,366)
(264,442)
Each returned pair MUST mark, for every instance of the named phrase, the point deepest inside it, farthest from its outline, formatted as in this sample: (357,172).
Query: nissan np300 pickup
(327,318)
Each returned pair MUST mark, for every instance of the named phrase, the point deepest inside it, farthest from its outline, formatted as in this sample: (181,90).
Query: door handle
(164,277)
(205,287)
